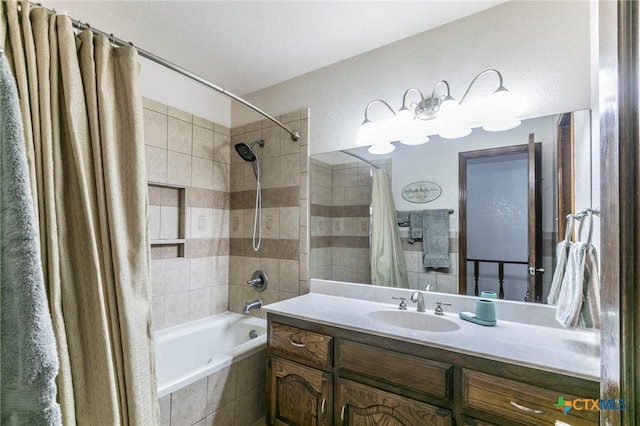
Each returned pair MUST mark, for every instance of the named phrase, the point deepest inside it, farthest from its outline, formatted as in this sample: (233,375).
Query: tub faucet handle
(258,281)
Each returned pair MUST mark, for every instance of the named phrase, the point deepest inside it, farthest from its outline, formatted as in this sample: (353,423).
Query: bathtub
(191,351)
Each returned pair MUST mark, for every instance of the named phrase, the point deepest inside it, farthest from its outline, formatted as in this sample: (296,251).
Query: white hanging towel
(579,298)
(562,254)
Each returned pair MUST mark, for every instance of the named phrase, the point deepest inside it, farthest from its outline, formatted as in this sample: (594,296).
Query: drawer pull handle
(526,409)
(297,344)
(344,407)
(322,406)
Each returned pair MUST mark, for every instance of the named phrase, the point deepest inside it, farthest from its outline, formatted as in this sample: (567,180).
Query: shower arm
(295,134)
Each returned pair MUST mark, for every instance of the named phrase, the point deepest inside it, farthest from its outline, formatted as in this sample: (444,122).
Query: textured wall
(542,49)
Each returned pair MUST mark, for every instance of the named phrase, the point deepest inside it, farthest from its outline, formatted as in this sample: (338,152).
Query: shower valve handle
(258,280)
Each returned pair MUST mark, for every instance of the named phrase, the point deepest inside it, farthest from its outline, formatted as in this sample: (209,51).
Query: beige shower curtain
(388,267)
(82,115)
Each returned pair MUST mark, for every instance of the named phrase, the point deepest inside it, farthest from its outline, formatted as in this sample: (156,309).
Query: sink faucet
(439,310)
(418,298)
(251,305)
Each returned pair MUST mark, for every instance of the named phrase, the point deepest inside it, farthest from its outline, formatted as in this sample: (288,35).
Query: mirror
(341,198)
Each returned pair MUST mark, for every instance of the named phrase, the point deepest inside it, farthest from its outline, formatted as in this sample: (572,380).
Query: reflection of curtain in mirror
(388,267)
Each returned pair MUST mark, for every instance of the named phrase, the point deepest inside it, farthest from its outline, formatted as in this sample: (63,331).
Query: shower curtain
(388,267)
(83,130)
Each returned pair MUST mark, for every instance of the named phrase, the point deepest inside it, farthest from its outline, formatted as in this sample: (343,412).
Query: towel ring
(567,232)
(588,214)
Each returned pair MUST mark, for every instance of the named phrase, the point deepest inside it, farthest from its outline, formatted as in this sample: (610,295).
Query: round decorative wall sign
(421,192)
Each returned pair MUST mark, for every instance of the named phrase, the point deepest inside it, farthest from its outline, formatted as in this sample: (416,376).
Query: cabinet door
(365,406)
(299,395)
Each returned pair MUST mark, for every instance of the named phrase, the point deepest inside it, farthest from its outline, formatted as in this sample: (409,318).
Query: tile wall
(341,195)
(234,396)
(284,252)
(186,151)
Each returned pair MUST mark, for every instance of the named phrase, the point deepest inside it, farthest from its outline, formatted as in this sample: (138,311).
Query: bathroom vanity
(338,361)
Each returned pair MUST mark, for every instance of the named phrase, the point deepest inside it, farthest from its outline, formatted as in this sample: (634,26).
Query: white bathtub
(189,352)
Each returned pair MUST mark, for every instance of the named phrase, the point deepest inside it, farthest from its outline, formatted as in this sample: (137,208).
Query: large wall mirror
(466,177)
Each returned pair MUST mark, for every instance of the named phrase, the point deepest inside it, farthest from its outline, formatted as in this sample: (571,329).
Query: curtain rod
(295,134)
(359,158)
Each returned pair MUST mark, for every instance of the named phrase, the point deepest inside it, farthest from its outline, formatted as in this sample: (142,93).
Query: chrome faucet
(251,305)
(439,310)
(418,297)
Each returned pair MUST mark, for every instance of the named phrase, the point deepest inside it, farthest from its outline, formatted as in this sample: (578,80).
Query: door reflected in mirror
(340,219)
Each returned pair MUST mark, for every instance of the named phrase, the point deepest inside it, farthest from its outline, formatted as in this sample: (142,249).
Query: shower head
(246,152)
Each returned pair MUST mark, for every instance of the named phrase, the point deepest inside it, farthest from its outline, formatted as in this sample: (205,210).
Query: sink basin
(414,320)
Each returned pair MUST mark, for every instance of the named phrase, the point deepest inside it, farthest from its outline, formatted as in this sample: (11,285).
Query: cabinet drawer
(301,345)
(520,402)
(362,405)
(410,372)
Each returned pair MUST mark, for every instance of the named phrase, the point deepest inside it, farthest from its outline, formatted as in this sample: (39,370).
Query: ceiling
(245,46)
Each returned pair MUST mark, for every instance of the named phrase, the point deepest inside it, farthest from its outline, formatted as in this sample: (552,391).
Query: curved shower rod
(295,134)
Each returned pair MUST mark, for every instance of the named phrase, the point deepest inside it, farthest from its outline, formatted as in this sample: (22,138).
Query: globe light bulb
(455,132)
(381,148)
(448,108)
(366,135)
(500,125)
(403,118)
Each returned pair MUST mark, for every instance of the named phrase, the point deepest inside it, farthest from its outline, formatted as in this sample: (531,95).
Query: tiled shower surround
(340,199)
(192,153)
(284,254)
(197,183)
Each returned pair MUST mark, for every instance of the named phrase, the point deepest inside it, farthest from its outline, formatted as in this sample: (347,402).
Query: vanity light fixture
(439,114)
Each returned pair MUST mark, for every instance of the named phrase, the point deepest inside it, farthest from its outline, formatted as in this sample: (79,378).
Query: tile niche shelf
(167,218)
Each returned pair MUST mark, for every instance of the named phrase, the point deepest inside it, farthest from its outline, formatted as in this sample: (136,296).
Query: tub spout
(251,305)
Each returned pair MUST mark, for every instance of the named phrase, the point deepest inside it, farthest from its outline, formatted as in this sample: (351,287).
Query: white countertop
(572,352)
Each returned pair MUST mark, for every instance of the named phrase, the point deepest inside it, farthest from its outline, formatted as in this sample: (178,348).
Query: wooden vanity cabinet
(324,375)
(300,382)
